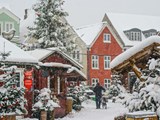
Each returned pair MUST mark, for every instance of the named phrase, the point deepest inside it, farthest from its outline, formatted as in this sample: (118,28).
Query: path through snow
(89,112)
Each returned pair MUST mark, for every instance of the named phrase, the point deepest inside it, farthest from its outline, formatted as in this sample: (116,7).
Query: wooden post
(43,115)
(8,117)
(135,70)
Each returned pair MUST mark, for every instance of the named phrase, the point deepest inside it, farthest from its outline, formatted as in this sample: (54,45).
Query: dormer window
(106,37)
(133,34)
(149,33)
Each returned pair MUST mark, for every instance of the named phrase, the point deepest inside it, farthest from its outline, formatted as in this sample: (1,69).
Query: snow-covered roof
(69,67)
(133,50)
(16,54)
(41,54)
(122,22)
(89,33)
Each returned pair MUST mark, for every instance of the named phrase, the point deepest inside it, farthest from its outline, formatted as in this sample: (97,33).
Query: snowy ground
(89,112)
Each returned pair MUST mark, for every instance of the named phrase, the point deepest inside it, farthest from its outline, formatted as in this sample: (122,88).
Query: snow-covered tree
(12,99)
(146,94)
(51,29)
(116,90)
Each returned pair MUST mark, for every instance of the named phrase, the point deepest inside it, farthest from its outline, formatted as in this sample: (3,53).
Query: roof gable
(89,33)
(9,13)
(41,54)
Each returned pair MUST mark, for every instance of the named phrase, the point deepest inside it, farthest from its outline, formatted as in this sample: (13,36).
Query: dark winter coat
(98,90)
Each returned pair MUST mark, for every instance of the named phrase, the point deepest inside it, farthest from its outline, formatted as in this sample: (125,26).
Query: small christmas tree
(116,90)
(12,99)
(44,103)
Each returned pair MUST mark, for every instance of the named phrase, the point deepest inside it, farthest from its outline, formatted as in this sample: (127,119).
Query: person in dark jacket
(98,94)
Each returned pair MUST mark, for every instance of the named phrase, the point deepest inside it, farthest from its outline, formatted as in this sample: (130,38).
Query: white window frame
(77,55)
(9,23)
(95,62)
(135,36)
(106,38)
(1,28)
(107,83)
(94,81)
(21,75)
(107,61)
(152,33)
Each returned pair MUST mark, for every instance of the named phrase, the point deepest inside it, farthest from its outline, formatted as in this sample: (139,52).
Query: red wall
(100,48)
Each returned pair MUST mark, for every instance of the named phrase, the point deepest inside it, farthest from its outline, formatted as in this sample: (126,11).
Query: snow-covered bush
(116,90)
(44,103)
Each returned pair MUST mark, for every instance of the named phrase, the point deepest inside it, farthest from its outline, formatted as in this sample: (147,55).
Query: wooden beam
(135,70)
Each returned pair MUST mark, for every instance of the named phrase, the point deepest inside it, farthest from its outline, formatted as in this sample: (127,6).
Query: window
(8,26)
(106,37)
(107,83)
(152,33)
(135,36)
(76,55)
(107,60)
(95,60)
(19,75)
(94,81)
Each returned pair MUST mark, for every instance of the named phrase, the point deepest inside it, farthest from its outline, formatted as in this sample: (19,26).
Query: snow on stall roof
(122,22)
(16,54)
(131,51)
(89,33)
(70,67)
(40,54)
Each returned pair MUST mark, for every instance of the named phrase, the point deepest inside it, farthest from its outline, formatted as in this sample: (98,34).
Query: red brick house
(103,47)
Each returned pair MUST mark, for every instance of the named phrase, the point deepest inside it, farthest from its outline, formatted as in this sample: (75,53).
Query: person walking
(98,94)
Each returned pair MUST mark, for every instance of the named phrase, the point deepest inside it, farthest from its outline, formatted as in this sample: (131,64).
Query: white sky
(83,12)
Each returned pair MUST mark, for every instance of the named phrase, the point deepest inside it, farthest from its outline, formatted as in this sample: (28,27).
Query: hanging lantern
(28,79)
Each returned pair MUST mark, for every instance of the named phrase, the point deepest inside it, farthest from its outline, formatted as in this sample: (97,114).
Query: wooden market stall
(135,58)
(56,70)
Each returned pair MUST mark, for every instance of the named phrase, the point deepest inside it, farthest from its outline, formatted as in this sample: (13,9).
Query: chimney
(25,14)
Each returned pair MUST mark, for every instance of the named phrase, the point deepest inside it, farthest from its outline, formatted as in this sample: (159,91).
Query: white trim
(48,80)
(75,55)
(108,36)
(107,60)
(96,60)
(107,84)
(20,71)
(8,23)
(96,81)
(58,82)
